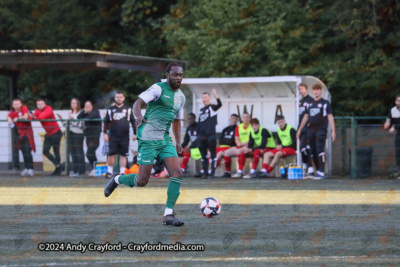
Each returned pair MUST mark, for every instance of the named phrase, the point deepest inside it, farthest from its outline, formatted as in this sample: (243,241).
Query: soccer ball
(210,207)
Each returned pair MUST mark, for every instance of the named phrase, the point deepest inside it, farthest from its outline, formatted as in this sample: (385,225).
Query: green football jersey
(163,106)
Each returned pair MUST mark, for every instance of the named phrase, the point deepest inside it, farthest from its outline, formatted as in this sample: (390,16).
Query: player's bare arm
(176,129)
(332,124)
(303,123)
(137,110)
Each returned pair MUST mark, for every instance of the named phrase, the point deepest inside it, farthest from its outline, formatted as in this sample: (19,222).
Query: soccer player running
(261,141)
(207,134)
(53,134)
(25,140)
(242,137)
(393,125)
(318,114)
(164,107)
(286,146)
(117,121)
(303,105)
(226,141)
(191,135)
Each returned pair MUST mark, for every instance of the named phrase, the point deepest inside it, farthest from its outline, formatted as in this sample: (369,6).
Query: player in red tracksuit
(53,134)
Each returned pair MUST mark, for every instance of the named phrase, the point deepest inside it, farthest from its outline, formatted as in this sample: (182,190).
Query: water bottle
(300,173)
(104,170)
(290,173)
(282,170)
(97,166)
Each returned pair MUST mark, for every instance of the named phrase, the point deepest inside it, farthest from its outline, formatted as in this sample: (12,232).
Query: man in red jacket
(53,133)
(25,140)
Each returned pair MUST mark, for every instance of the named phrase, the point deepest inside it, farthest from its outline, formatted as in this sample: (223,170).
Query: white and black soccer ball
(210,207)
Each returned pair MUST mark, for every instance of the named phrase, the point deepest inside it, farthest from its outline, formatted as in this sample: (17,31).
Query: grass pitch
(271,221)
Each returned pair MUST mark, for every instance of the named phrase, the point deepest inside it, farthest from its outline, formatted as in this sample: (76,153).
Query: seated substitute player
(191,135)
(242,136)
(164,107)
(318,114)
(226,141)
(261,141)
(286,146)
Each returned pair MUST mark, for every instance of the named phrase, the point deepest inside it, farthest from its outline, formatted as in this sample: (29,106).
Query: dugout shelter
(262,97)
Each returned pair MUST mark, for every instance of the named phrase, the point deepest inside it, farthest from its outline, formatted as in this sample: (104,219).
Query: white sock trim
(168,211)
(116,179)
(109,169)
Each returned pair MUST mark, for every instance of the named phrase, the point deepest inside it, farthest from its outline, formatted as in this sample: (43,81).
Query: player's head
(246,118)
(119,98)
(75,104)
(255,124)
(191,118)
(88,106)
(317,90)
(280,119)
(16,104)
(397,100)
(303,90)
(40,103)
(233,119)
(174,75)
(206,98)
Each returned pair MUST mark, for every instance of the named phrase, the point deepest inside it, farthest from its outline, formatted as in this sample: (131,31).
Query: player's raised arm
(137,110)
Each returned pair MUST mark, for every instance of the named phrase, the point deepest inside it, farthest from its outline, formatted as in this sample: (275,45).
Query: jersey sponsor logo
(166,96)
(118,116)
(314,111)
(203,117)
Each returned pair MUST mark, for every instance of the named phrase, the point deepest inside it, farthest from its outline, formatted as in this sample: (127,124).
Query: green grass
(251,235)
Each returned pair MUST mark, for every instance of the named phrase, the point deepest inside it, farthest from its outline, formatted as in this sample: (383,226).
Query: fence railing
(354,135)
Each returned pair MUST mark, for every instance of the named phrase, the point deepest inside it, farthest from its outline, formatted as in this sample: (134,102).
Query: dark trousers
(14,146)
(316,142)
(304,147)
(26,150)
(208,142)
(52,141)
(92,143)
(397,149)
(76,151)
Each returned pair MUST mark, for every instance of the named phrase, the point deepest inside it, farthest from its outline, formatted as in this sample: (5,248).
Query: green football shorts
(158,149)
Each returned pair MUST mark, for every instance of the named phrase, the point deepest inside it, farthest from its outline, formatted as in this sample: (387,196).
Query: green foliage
(352,46)
(349,45)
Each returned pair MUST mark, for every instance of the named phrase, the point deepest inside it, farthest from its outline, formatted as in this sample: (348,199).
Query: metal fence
(362,148)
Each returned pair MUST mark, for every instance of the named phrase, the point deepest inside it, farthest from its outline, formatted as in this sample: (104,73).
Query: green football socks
(173,191)
(129,179)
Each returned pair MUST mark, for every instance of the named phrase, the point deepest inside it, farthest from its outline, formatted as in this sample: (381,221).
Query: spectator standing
(207,134)
(24,134)
(92,132)
(76,136)
(117,120)
(53,134)
(393,125)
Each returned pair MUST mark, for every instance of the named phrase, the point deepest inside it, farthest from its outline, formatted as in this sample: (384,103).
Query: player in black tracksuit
(318,114)
(117,121)
(207,134)
(303,105)
(191,135)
